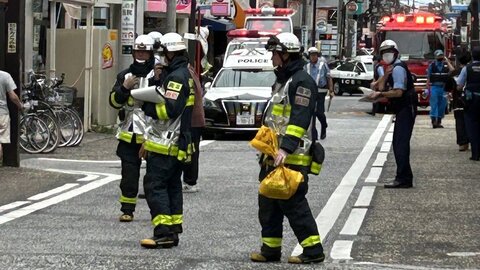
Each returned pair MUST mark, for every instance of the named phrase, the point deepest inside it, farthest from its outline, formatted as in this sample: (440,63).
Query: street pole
(340,30)
(171,16)
(314,21)
(475,26)
(12,58)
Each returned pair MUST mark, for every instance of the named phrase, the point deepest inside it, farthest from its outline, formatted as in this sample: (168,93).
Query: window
(416,44)
(349,66)
(274,24)
(245,78)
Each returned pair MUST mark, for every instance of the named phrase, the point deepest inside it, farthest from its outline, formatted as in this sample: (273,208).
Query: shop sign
(128,26)
(220,8)
(12,38)
(183,6)
(107,56)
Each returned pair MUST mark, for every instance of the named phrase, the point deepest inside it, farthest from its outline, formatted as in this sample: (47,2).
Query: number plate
(245,120)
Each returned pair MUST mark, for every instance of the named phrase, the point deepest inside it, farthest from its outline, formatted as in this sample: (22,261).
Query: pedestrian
(469,82)
(401,94)
(319,71)
(291,112)
(438,74)
(7,89)
(168,144)
(190,170)
(458,105)
(131,128)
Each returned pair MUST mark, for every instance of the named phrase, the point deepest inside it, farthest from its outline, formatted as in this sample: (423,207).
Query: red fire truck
(417,35)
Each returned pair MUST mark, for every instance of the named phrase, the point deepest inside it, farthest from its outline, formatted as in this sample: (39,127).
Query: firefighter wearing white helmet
(397,85)
(290,113)
(318,69)
(168,144)
(131,128)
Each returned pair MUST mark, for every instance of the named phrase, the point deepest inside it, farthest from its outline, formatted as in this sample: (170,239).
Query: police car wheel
(336,89)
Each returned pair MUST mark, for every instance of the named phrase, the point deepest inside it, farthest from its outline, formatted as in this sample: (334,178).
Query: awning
(218,24)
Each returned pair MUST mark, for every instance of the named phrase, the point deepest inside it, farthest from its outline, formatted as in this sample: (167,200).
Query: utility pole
(475,27)
(172,16)
(11,50)
(314,21)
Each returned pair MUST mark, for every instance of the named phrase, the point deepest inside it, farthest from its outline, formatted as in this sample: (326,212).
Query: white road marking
(381,159)
(335,204)
(365,196)
(388,137)
(463,254)
(51,192)
(386,147)
(354,221)
(374,175)
(390,130)
(341,250)
(12,205)
(88,178)
(57,199)
(206,142)
(78,172)
(79,160)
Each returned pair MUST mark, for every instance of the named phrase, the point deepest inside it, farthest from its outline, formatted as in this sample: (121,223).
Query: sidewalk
(97,146)
(435,224)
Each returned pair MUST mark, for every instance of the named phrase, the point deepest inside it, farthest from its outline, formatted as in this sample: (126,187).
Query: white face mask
(140,61)
(162,60)
(388,58)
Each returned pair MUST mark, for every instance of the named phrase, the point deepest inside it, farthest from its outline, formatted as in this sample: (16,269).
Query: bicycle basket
(63,96)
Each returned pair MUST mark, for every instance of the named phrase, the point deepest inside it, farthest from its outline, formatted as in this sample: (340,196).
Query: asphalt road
(76,225)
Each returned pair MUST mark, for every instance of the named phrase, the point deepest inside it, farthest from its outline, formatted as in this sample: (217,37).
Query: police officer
(291,113)
(319,70)
(469,81)
(130,130)
(168,144)
(438,74)
(402,96)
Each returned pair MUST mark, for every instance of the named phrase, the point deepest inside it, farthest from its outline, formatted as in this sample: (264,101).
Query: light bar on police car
(270,11)
(239,33)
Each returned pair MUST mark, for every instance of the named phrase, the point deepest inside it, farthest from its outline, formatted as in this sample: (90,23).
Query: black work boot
(267,254)
(166,241)
(439,123)
(323,133)
(304,259)
(434,122)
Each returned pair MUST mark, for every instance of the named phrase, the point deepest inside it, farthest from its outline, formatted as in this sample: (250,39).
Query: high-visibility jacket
(169,130)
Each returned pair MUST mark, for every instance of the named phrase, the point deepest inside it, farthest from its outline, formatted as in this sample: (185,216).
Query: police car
(237,97)
(351,74)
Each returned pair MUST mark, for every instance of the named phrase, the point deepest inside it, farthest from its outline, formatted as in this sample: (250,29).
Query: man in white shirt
(7,87)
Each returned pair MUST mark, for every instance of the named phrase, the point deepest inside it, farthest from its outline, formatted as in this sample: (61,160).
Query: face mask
(388,58)
(162,60)
(140,61)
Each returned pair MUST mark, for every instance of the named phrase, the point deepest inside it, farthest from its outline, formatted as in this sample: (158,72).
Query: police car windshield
(244,45)
(417,44)
(245,78)
(273,24)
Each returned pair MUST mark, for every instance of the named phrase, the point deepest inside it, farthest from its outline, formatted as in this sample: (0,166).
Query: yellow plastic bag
(265,141)
(281,183)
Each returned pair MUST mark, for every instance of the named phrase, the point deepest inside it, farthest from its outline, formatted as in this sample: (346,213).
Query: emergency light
(239,33)
(401,19)
(270,11)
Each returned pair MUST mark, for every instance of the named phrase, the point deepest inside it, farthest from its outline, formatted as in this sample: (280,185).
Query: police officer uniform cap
(388,45)
(438,53)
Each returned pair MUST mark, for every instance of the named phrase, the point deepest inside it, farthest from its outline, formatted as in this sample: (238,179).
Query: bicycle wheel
(66,125)
(54,131)
(34,134)
(78,127)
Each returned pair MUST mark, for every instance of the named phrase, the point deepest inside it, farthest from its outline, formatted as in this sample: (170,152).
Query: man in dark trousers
(403,98)
(130,130)
(469,82)
(290,113)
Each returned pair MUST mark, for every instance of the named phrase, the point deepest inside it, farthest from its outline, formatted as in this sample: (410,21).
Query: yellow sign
(113,35)
(107,56)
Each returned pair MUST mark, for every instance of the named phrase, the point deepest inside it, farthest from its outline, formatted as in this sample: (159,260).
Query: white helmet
(284,42)
(388,44)
(172,42)
(312,50)
(143,43)
(155,35)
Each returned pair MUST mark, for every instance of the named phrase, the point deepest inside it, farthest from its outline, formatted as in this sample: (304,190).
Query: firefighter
(469,82)
(402,96)
(438,75)
(291,112)
(168,144)
(132,119)
(318,70)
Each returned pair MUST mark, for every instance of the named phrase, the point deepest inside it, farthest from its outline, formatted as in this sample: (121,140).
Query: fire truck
(417,35)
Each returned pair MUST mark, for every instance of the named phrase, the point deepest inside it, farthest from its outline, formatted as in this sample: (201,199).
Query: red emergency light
(401,19)
(270,11)
(244,33)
